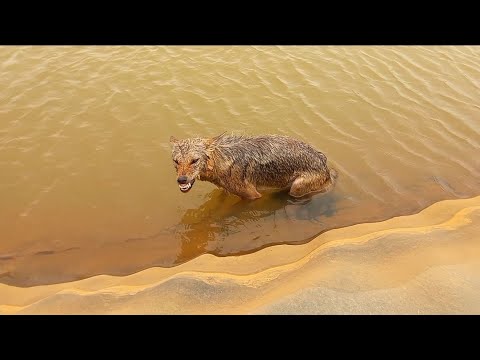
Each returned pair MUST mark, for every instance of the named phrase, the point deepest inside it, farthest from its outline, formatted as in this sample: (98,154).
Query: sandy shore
(424,263)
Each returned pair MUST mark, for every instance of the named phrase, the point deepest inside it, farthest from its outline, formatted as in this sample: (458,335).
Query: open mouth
(186,187)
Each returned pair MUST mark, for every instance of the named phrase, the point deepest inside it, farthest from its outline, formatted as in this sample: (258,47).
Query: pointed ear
(214,139)
(173,139)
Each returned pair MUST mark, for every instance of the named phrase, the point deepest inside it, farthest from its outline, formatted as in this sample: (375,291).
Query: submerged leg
(309,183)
(249,192)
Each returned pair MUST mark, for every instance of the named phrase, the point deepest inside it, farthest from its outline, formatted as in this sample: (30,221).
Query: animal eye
(194,161)
(176,162)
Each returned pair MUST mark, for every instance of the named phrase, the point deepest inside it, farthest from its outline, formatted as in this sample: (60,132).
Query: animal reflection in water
(218,225)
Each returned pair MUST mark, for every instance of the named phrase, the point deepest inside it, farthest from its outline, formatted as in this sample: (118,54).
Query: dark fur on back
(268,160)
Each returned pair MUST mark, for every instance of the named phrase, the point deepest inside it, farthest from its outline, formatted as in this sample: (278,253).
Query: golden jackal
(242,165)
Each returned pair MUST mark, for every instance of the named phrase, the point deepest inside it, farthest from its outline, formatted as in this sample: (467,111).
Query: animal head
(189,159)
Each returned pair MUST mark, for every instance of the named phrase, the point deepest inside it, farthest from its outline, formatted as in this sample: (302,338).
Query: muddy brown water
(87,185)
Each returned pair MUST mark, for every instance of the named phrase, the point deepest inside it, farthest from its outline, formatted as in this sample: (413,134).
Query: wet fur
(242,165)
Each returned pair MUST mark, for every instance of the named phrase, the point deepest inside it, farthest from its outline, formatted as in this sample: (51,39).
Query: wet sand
(427,263)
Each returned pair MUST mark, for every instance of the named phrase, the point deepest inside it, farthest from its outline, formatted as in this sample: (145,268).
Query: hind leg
(309,183)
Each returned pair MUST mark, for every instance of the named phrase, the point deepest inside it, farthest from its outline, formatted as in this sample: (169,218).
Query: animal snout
(182,179)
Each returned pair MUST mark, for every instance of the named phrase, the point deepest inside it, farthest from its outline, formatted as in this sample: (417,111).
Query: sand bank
(423,263)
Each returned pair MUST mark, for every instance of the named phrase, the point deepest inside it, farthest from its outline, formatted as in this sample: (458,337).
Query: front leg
(249,191)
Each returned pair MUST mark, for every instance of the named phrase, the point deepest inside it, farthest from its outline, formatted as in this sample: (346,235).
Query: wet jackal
(243,165)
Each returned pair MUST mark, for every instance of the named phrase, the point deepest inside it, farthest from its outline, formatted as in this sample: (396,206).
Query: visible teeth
(185,186)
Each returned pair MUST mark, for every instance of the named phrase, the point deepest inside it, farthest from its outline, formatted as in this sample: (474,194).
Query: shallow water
(88,186)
